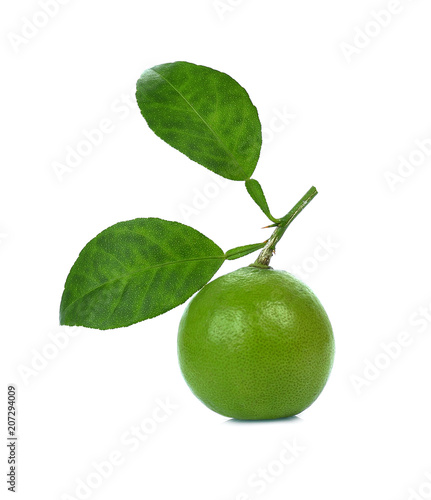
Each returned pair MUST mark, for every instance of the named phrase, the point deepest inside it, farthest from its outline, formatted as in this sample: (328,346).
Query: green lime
(256,344)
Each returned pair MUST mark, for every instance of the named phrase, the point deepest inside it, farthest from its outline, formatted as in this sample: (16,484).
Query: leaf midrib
(129,275)
(204,122)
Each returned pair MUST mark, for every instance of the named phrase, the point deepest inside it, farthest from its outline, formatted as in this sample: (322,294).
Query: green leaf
(136,270)
(204,114)
(256,192)
(238,252)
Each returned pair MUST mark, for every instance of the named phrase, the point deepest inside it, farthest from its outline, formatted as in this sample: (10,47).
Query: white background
(348,120)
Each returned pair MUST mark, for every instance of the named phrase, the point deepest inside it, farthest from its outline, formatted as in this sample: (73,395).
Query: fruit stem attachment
(268,251)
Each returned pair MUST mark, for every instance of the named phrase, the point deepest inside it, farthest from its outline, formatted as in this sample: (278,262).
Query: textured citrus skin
(256,344)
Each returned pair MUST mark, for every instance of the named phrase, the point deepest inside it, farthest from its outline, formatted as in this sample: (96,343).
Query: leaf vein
(129,275)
